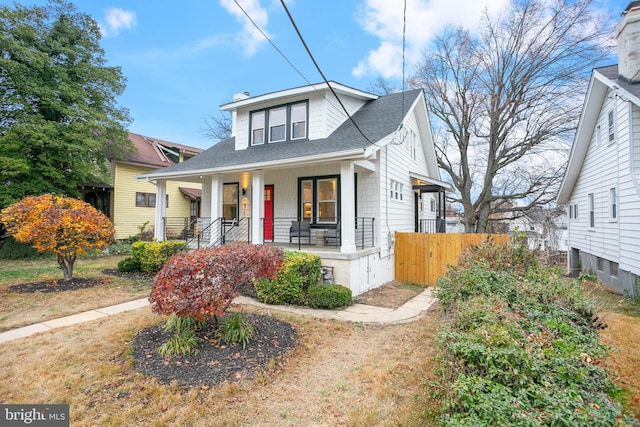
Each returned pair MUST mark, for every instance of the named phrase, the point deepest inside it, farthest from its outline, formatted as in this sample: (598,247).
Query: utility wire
(322,74)
(401,132)
(272,44)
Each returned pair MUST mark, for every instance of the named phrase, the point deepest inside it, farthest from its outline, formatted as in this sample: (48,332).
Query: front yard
(340,373)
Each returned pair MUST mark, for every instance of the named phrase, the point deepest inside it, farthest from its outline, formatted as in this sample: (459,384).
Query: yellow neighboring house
(130,204)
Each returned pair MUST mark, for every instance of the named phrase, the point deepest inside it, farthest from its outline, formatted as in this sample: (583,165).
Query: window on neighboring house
(592,211)
(230,201)
(433,205)
(284,123)
(613,203)
(257,128)
(612,127)
(613,269)
(146,200)
(319,199)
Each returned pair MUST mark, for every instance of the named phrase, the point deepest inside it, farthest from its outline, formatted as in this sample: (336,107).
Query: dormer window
(278,124)
(284,123)
(257,128)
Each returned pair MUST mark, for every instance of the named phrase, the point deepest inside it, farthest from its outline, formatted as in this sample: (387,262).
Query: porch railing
(436,225)
(220,232)
(318,232)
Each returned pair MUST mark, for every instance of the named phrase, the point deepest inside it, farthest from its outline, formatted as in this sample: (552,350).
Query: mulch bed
(58,285)
(215,363)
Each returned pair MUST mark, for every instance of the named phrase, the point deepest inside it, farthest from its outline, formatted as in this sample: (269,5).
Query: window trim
(282,124)
(591,203)
(613,204)
(611,126)
(288,123)
(314,219)
(147,200)
(237,204)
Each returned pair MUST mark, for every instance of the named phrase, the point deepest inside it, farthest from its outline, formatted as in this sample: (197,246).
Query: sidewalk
(361,313)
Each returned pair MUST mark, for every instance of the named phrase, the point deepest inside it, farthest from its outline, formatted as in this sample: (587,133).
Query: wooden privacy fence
(423,257)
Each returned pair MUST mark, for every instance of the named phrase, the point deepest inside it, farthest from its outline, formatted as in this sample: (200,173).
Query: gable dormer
(299,114)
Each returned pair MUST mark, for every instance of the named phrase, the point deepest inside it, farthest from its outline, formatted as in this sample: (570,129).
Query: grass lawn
(341,373)
(21,309)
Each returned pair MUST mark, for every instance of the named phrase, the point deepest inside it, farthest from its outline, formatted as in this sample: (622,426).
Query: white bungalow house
(299,172)
(601,186)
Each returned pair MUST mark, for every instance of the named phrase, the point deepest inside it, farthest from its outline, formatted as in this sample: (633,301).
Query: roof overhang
(599,85)
(302,90)
(429,182)
(355,154)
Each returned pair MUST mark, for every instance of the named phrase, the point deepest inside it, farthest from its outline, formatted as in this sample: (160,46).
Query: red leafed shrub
(203,283)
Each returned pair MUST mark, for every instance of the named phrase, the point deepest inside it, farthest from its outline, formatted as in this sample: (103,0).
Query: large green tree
(58,109)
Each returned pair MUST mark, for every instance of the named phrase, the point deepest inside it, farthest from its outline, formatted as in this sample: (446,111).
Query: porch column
(205,201)
(347,207)
(257,207)
(215,204)
(161,210)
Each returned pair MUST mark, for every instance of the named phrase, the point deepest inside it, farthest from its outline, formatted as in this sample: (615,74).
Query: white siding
(608,165)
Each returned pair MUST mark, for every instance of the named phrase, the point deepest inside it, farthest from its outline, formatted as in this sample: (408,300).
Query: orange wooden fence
(423,257)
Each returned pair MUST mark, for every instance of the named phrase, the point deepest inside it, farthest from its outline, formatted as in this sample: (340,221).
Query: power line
(322,74)
(272,44)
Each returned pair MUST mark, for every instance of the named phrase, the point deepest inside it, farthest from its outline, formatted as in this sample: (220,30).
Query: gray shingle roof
(377,119)
(611,72)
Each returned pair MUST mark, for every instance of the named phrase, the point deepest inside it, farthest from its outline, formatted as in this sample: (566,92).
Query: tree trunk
(66,265)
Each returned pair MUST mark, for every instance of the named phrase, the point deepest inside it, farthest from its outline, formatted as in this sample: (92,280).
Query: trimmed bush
(128,265)
(300,271)
(153,255)
(12,249)
(329,296)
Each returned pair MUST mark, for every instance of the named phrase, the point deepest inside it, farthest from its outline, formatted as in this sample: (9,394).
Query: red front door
(268,212)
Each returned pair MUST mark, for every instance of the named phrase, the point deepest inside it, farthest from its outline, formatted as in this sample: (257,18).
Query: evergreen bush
(300,271)
(153,255)
(328,296)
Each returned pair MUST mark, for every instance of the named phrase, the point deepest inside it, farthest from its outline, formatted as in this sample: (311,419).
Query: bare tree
(505,102)
(382,87)
(217,127)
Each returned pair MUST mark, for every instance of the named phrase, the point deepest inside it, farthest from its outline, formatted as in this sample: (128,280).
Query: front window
(319,199)
(327,200)
(277,124)
(230,202)
(307,199)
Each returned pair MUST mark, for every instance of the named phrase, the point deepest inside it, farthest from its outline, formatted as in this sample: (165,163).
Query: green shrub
(234,329)
(119,248)
(184,340)
(128,265)
(300,271)
(153,255)
(519,345)
(12,249)
(328,296)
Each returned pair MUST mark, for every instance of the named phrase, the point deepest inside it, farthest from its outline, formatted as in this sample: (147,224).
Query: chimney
(245,95)
(628,37)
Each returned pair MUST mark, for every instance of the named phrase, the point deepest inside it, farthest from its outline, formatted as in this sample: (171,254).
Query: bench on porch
(299,230)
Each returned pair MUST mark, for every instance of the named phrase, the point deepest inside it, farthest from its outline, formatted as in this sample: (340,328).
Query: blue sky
(183,59)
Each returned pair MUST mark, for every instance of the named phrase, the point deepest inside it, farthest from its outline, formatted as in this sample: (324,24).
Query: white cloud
(115,19)
(249,37)
(424,19)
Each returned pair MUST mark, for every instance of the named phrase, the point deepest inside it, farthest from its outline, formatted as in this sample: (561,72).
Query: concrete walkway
(361,313)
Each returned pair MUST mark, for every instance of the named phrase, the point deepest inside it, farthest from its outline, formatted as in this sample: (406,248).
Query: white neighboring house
(299,173)
(601,187)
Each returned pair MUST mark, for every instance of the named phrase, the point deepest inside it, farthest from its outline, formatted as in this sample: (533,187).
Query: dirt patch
(215,363)
(391,295)
(59,285)
(623,360)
